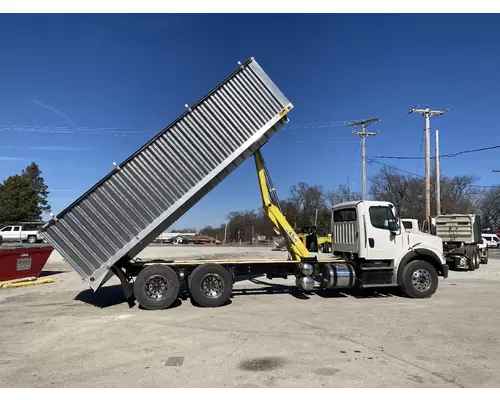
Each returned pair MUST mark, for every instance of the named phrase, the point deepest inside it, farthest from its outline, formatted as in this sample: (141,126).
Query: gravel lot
(63,335)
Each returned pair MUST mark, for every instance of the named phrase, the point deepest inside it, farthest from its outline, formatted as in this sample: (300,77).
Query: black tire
(212,277)
(327,247)
(472,260)
(485,259)
(477,258)
(421,288)
(32,239)
(156,287)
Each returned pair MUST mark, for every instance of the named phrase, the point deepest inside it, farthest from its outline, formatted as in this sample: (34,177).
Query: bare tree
(490,208)
(407,193)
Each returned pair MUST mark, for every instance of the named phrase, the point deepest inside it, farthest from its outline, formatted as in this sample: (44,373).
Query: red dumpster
(23,261)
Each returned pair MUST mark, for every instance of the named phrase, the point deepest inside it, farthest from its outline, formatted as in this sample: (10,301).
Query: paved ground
(62,335)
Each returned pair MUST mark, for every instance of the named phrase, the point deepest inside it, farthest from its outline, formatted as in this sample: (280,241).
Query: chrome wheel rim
(212,285)
(156,287)
(421,280)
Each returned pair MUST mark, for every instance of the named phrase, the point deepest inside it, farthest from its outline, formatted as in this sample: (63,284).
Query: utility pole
(364,123)
(225,230)
(438,178)
(427,113)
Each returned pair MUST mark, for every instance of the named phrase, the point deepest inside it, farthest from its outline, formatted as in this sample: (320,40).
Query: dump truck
(103,231)
(462,240)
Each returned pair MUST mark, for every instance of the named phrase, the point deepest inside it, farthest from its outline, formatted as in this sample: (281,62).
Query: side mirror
(394,227)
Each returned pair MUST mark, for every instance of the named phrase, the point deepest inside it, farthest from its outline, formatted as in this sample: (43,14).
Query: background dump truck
(462,240)
(102,232)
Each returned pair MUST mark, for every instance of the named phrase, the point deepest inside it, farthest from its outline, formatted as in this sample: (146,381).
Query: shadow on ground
(106,296)
(277,288)
(50,273)
(109,296)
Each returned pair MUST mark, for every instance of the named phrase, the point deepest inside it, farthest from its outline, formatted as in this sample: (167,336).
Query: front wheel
(419,279)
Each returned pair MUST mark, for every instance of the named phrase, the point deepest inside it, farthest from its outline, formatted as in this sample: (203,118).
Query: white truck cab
(371,233)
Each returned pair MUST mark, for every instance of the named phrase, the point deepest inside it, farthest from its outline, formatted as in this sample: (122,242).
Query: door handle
(371,242)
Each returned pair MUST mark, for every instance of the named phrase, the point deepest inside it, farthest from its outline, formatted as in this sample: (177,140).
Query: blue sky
(79,92)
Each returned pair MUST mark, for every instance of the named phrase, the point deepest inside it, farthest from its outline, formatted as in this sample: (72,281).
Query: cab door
(7,234)
(384,237)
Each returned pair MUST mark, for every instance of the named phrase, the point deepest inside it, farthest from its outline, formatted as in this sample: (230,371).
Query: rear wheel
(31,239)
(484,259)
(477,258)
(210,285)
(156,287)
(472,260)
(419,280)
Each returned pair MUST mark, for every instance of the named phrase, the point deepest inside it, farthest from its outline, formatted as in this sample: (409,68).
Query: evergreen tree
(18,200)
(34,175)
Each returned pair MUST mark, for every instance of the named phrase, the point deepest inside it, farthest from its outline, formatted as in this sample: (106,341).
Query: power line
(142,132)
(370,160)
(450,155)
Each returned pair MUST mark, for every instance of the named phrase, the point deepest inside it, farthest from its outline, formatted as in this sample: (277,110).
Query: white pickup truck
(20,233)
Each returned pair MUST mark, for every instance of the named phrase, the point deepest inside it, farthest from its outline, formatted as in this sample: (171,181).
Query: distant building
(184,238)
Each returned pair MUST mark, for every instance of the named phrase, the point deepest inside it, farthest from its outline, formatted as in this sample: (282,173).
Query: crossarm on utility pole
(296,248)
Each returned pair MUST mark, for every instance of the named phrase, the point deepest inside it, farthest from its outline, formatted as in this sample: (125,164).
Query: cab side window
(381,217)
(408,225)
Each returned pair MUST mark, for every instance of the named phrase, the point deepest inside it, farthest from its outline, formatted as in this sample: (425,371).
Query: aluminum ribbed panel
(344,233)
(148,192)
(455,228)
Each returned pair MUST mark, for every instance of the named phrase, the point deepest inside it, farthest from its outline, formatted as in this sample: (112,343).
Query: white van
(491,239)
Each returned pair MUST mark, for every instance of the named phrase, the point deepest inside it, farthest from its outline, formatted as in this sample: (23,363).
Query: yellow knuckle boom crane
(295,246)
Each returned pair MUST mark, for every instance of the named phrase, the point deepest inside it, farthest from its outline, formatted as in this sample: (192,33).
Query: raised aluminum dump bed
(464,228)
(124,212)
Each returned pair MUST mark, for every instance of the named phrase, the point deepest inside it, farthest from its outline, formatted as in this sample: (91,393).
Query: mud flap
(126,285)
(445,270)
